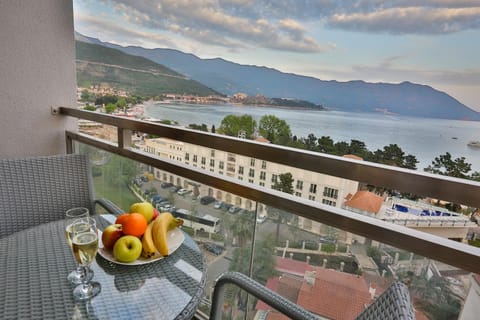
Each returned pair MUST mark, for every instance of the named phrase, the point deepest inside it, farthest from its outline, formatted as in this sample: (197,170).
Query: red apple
(155,214)
(111,234)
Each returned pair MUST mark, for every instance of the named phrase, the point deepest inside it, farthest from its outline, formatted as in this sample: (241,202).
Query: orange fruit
(135,225)
(121,218)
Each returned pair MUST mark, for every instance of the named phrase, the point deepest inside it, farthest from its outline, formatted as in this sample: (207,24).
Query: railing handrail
(416,182)
(450,252)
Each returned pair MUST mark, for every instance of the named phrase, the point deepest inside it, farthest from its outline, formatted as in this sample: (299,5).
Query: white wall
(37,70)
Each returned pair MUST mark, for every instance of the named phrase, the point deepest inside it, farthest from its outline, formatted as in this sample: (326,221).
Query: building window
(221,172)
(240,178)
(274,178)
(329,202)
(212,163)
(262,184)
(251,173)
(194,158)
(252,162)
(221,165)
(330,193)
(212,153)
(298,194)
(187,156)
(264,164)
(250,180)
(263,175)
(310,197)
(313,188)
(240,170)
(204,160)
(299,184)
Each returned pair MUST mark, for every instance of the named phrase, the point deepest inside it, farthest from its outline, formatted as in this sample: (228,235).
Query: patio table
(35,262)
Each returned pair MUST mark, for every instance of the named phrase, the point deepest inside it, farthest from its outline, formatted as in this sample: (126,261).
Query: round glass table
(35,263)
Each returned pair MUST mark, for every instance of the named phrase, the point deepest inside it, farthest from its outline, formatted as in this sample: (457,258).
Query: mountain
(405,98)
(98,64)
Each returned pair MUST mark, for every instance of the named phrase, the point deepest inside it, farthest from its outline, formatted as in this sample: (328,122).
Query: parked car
(174,189)
(157,197)
(327,240)
(261,218)
(138,182)
(226,206)
(144,178)
(234,209)
(213,248)
(183,191)
(166,207)
(207,200)
(218,204)
(166,185)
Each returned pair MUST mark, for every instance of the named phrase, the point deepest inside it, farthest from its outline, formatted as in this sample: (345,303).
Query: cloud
(409,20)
(233,24)
(119,34)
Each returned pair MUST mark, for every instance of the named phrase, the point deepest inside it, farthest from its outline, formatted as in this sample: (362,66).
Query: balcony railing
(389,231)
(419,183)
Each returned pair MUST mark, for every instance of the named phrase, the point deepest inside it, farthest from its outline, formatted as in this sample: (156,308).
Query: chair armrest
(109,206)
(261,292)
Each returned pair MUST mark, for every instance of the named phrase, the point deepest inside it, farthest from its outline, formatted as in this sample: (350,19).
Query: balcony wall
(37,71)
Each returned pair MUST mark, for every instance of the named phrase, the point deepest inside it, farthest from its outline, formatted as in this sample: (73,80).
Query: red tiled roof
(335,295)
(352,156)
(262,139)
(275,315)
(286,285)
(365,201)
(272,284)
(291,266)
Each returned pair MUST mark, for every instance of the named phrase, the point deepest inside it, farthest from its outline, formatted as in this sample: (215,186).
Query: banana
(161,225)
(148,247)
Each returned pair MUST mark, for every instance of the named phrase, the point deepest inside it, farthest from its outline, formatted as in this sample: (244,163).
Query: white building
(309,185)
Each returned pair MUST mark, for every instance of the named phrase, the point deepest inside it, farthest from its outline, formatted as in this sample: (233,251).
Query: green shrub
(328,247)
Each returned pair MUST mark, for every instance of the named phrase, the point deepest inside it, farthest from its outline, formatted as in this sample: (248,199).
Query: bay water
(422,137)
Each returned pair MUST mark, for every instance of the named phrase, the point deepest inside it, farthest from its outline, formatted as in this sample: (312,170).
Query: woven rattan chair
(39,190)
(392,304)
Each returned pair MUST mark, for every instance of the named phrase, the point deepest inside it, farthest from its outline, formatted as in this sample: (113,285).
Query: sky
(431,42)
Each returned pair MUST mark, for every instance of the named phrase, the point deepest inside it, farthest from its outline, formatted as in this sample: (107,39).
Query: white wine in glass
(70,216)
(85,247)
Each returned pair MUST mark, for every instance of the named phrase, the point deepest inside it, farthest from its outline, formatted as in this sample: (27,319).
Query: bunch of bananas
(154,240)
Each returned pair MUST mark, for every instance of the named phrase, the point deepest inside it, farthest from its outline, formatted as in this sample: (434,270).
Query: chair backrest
(393,304)
(39,190)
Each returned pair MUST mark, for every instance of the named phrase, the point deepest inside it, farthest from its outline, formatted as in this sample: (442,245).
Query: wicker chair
(39,190)
(393,304)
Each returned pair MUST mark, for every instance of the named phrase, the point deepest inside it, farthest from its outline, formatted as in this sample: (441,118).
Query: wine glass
(70,216)
(85,247)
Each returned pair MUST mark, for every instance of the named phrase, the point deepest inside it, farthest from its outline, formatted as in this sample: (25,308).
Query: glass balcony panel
(321,268)
(286,248)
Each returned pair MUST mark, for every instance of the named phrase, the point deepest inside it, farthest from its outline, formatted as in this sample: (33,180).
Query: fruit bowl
(175,239)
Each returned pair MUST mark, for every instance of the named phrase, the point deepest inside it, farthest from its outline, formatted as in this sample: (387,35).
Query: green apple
(144,208)
(127,249)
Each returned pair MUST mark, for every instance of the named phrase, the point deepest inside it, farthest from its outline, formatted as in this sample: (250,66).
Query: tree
(232,125)
(325,145)
(275,130)
(202,127)
(284,184)
(121,103)
(110,108)
(89,108)
(446,166)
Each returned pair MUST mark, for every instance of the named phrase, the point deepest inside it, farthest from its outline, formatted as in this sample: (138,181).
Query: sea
(424,138)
